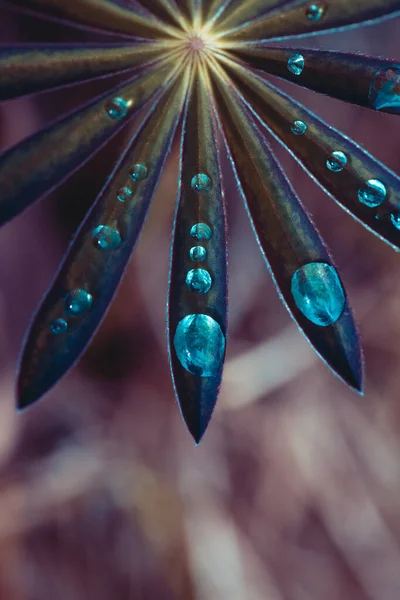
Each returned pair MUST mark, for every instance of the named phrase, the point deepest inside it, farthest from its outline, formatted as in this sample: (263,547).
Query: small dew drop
(77,302)
(384,93)
(201,232)
(295,64)
(198,253)
(138,172)
(395,220)
(106,238)
(124,194)
(318,293)
(315,12)
(337,161)
(199,281)
(299,128)
(117,108)
(201,183)
(59,326)
(373,193)
(200,345)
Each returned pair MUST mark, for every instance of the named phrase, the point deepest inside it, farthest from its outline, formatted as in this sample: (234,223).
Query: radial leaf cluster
(196,71)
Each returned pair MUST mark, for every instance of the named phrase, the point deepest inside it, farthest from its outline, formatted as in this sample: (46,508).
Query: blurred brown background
(294,492)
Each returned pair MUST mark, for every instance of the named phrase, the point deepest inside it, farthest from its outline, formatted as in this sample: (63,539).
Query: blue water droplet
(198,253)
(337,161)
(298,128)
(106,238)
(373,193)
(318,293)
(77,302)
(200,345)
(201,183)
(395,220)
(138,172)
(315,12)
(117,108)
(59,326)
(201,232)
(199,281)
(124,194)
(295,64)
(384,93)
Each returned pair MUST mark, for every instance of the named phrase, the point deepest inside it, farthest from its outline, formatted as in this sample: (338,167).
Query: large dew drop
(384,92)
(318,293)
(106,238)
(295,64)
(200,345)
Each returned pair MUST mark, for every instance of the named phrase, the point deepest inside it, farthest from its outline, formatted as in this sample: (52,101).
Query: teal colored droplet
(337,161)
(106,238)
(318,293)
(298,128)
(201,232)
(395,220)
(295,64)
(117,108)
(200,345)
(138,172)
(124,194)
(315,12)
(77,302)
(198,253)
(201,183)
(59,326)
(373,193)
(384,93)
(199,281)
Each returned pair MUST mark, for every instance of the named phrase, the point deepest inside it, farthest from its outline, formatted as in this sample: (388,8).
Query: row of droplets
(105,238)
(199,341)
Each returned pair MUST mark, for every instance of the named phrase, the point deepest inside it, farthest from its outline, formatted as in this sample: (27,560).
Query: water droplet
(199,281)
(201,183)
(198,253)
(124,194)
(295,64)
(106,238)
(138,172)
(77,302)
(59,326)
(384,93)
(318,293)
(373,193)
(315,12)
(201,232)
(395,220)
(337,161)
(117,108)
(200,345)
(298,128)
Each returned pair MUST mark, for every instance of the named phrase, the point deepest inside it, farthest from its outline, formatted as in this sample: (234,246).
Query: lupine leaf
(203,304)
(33,68)
(99,14)
(286,235)
(97,258)
(36,165)
(370,82)
(295,19)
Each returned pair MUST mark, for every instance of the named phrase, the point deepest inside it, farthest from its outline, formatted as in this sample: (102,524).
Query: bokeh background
(294,492)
